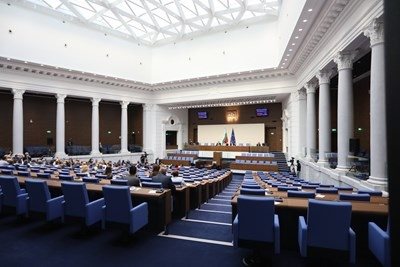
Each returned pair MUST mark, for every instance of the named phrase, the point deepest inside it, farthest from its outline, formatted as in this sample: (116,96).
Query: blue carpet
(210,216)
(202,230)
(206,206)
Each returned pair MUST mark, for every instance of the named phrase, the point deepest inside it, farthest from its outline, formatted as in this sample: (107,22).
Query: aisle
(211,223)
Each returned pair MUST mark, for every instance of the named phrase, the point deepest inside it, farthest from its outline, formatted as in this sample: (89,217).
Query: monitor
(202,114)
(261,112)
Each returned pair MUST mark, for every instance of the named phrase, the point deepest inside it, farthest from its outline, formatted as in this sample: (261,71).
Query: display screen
(262,112)
(202,114)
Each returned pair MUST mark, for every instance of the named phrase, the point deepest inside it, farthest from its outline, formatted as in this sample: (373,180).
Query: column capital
(61,98)
(301,94)
(18,93)
(148,107)
(344,59)
(95,101)
(311,87)
(124,104)
(375,32)
(324,76)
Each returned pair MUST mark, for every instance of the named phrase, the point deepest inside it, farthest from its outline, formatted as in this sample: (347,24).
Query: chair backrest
(370,192)
(76,198)
(65,177)
(350,196)
(7,172)
(328,224)
(152,184)
(43,175)
(23,173)
(251,186)
(256,218)
(39,193)
(249,191)
(326,190)
(10,188)
(309,186)
(119,182)
(90,180)
(118,203)
(287,188)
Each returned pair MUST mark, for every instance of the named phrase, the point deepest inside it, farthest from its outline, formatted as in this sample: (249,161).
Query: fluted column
(311,119)
(60,126)
(345,123)
(302,116)
(124,126)
(18,122)
(95,126)
(377,110)
(324,115)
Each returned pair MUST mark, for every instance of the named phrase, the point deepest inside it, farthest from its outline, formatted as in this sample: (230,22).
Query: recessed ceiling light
(287,55)
(310,10)
(304,20)
(41,65)
(297,37)
(300,30)
(56,68)
(293,43)
(285,59)
(282,67)
(8,58)
(283,63)
(290,49)
(26,62)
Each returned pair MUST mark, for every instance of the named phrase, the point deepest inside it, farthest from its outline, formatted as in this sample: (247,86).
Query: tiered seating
(180,158)
(255,162)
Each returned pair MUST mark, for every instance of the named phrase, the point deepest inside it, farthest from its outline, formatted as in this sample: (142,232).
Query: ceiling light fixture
(310,10)
(305,20)
(300,30)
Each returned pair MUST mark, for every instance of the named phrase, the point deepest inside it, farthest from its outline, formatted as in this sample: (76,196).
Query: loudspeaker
(354,145)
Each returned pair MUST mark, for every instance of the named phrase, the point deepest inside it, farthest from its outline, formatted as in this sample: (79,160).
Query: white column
(302,115)
(311,126)
(95,126)
(378,161)
(180,136)
(18,122)
(60,126)
(345,123)
(149,129)
(124,126)
(324,113)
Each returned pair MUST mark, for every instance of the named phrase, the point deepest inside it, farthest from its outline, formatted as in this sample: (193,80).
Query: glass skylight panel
(153,21)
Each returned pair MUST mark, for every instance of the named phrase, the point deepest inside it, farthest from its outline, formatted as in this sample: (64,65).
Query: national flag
(233,139)
(225,140)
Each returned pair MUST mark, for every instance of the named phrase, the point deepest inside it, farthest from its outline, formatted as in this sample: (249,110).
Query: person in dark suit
(132,178)
(165,180)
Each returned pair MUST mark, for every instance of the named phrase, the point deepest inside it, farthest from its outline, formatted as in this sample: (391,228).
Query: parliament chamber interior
(193,132)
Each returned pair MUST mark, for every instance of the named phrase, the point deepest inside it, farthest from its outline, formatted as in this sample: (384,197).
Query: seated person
(108,172)
(218,143)
(85,169)
(132,178)
(161,177)
(175,177)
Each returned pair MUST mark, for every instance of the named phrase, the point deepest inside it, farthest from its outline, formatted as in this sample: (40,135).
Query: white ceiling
(160,21)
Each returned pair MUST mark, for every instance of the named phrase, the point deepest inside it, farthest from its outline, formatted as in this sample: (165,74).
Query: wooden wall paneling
(6,111)
(78,121)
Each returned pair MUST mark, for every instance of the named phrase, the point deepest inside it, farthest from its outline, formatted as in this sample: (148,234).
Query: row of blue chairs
(116,206)
(328,225)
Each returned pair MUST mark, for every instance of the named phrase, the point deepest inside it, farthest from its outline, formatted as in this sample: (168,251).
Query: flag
(233,139)
(225,140)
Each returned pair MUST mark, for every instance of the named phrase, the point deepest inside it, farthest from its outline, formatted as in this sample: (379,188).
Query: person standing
(298,166)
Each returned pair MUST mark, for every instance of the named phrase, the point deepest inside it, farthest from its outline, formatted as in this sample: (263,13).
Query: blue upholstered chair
(256,221)
(251,186)
(249,191)
(119,182)
(328,226)
(287,188)
(309,186)
(118,208)
(326,190)
(77,203)
(40,200)
(23,173)
(90,180)
(43,175)
(357,197)
(13,195)
(370,192)
(7,172)
(300,194)
(65,177)
(145,179)
(1,199)
(152,184)
(344,188)
(379,243)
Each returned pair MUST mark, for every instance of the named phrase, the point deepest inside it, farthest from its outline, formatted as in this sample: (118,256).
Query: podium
(217,157)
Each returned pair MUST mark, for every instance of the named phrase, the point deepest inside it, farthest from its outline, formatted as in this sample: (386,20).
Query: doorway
(171,139)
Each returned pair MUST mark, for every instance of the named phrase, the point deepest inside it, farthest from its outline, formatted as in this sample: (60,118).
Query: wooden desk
(175,162)
(254,167)
(182,201)
(228,148)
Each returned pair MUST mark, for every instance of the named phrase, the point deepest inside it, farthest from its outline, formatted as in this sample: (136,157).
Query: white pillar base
(323,163)
(371,183)
(342,169)
(95,153)
(60,155)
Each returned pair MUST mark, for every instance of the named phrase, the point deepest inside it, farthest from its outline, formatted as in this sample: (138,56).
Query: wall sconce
(109,132)
(48,131)
(30,121)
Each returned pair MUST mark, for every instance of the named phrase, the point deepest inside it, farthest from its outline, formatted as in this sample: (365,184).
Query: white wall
(40,38)
(244,133)
(245,49)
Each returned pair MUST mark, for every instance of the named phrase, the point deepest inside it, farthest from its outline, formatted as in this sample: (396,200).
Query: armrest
(22,203)
(352,245)
(277,239)
(94,211)
(302,236)
(139,217)
(378,243)
(22,191)
(55,208)
(235,229)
